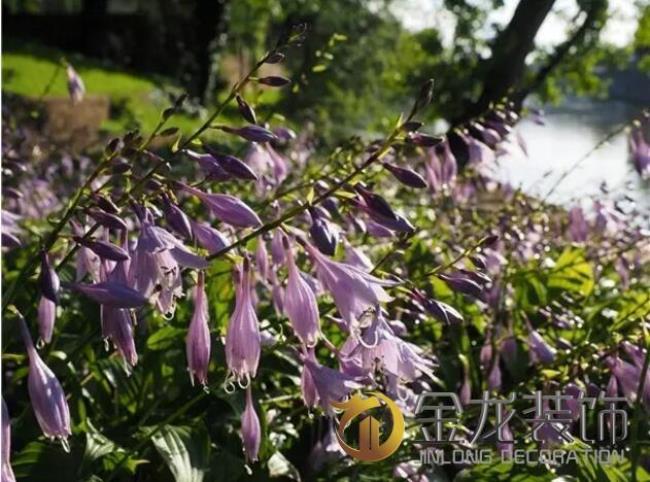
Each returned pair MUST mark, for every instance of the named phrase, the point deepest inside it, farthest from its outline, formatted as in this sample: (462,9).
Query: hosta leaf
(185,450)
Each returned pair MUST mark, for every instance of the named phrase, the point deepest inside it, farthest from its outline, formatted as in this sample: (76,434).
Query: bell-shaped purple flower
(251,431)
(48,400)
(227,208)
(208,237)
(6,470)
(356,257)
(354,291)
(322,385)
(198,336)
(243,339)
(76,87)
(300,303)
(117,326)
(441,169)
(262,259)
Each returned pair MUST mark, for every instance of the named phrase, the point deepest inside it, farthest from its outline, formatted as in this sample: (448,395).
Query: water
(571,131)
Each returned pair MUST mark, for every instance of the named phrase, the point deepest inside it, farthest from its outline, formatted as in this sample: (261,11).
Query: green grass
(136,100)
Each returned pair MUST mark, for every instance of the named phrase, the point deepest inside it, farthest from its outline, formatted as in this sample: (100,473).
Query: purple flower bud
(377,230)
(111,293)
(246,110)
(300,303)
(49,280)
(442,311)
(640,150)
(376,204)
(540,351)
(208,237)
(408,177)
(262,259)
(275,58)
(198,336)
(117,326)
(76,87)
(108,219)
(10,241)
(277,248)
(104,249)
(441,168)
(322,235)
(106,204)
(424,140)
(46,317)
(494,377)
(462,284)
(233,166)
(209,165)
(6,470)
(274,81)
(243,339)
(176,218)
(509,351)
(227,208)
(578,227)
(48,400)
(479,278)
(251,431)
(253,133)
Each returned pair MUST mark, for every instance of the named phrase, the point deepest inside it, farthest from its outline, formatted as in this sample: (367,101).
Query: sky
(420,14)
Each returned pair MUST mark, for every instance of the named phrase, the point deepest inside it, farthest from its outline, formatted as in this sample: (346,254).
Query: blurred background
(585,63)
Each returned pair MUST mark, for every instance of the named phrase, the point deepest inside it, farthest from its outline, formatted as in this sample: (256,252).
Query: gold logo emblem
(371,449)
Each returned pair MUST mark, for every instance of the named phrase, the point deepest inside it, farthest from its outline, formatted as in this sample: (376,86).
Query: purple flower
(262,259)
(48,400)
(104,249)
(251,431)
(640,150)
(379,348)
(322,234)
(300,303)
(243,339)
(176,218)
(198,336)
(540,351)
(274,81)
(263,158)
(46,318)
(356,257)
(208,165)
(49,280)
(109,220)
(208,237)
(354,291)
(6,471)
(76,87)
(87,262)
(578,227)
(112,293)
(628,376)
(117,326)
(462,283)
(253,133)
(277,248)
(408,177)
(227,208)
(233,166)
(322,385)
(439,310)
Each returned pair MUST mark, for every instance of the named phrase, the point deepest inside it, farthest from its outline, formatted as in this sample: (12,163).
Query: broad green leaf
(185,450)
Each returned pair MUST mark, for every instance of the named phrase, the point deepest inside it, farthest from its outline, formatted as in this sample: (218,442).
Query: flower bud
(109,220)
(246,110)
(251,431)
(408,177)
(198,336)
(274,81)
(104,249)
(48,400)
(176,218)
(252,133)
(49,280)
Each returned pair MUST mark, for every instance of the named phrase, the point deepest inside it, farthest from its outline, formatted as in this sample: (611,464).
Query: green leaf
(165,338)
(572,272)
(185,450)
